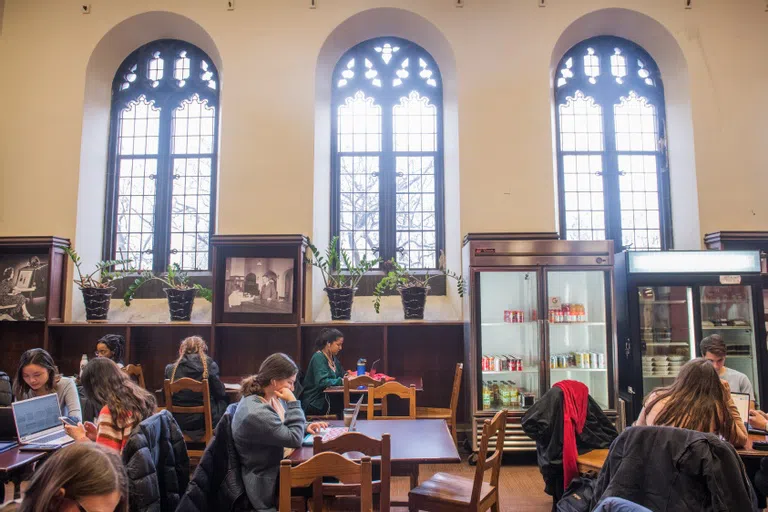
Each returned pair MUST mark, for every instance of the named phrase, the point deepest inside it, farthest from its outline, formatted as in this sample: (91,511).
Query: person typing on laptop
(714,350)
(38,375)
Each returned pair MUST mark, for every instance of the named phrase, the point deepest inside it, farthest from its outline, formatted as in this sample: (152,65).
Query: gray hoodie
(260,437)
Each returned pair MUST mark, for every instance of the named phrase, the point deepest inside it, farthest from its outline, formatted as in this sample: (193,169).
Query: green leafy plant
(106,270)
(399,277)
(173,278)
(330,265)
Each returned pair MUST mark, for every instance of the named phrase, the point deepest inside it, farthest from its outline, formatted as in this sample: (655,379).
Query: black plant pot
(180,303)
(97,302)
(340,300)
(414,299)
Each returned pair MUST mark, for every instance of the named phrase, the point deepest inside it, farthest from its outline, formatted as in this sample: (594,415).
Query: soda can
(484,364)
(601,360)
(579,359)
(521,316)
(562,361)
(553,362)
(593,363)
(552,316)
(520,364)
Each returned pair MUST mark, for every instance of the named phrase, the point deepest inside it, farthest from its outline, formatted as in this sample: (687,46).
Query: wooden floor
(522,488)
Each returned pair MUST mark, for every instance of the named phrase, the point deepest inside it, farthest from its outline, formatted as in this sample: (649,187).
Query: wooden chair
(439,413)
(392,388)
(135,372)
(351,383)
(360,443)
(449,492)
(197,387)
(325,464)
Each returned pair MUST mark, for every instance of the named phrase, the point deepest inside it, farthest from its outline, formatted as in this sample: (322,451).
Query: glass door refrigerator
(667,302)
(539,312)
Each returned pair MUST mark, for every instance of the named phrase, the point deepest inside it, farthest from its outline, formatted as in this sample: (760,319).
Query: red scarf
(575,395)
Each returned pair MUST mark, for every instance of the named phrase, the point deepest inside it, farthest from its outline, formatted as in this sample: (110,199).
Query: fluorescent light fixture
(692,262)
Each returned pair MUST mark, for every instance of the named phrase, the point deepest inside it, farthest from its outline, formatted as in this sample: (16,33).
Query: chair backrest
(327,464)
(495,427)
(392,388)
(187,384)
(360,443)
(135,372)
(351,383)
(456,390)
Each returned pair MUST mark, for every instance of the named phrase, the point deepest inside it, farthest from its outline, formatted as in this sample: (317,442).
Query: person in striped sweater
(126,404)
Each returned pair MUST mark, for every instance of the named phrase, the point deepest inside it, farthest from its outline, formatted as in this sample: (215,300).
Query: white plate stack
(675,363)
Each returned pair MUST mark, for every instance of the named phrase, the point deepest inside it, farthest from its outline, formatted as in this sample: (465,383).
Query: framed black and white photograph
(259,285)
(23,287)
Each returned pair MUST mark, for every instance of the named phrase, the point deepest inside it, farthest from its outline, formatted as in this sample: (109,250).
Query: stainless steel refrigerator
(539,311)
(667,302)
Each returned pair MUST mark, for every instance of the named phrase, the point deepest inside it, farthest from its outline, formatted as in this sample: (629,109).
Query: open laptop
(743,404)
(38,424)
(334,432)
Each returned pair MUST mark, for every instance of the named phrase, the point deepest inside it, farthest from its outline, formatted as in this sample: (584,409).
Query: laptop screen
(36,414)
(742,404)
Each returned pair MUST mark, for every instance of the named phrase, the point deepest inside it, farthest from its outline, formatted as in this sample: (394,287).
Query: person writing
(267,425)
(714,350)
(324,370)
(38,375)
(111,347)
(696,400)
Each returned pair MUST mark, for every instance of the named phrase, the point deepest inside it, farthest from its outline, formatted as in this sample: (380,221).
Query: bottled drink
(514,394)
(495,398)
(361,363)
(507,394)
(486,396)
(83,362)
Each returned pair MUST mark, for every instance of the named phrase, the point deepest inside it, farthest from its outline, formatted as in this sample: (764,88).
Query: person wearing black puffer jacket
(194,363)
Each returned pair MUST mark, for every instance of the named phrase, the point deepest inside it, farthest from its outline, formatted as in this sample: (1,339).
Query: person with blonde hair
(83,476)
(194,363)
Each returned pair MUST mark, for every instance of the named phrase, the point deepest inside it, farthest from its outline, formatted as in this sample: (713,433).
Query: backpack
(579,496)
(5,390)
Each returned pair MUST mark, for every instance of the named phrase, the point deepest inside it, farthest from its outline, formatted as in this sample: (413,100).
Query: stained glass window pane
(415,124)
(581,124)
(359,124)
(416,212)
(136,210)
(636,125)
(359,206)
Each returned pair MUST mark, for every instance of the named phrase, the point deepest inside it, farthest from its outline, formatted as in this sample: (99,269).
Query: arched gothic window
(387,153)
(611,146)
(162,157)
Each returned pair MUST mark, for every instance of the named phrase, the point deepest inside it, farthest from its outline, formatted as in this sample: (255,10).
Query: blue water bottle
(361,366)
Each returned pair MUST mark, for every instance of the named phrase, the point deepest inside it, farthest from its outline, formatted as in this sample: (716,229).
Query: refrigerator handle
(627,347)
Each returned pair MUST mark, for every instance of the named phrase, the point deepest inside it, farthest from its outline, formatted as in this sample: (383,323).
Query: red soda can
(520,364)
(484,363)
(521,316)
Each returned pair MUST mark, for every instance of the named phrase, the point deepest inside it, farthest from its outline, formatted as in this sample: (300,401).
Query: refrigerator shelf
(740,301)
(498,324)
(682,301)
(727,327)
(667,343)
(578,369)
(510,371)
(576,323)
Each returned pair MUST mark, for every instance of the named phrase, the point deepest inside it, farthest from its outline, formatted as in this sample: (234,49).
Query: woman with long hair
(111,347)
(194,363)
(76,478)
(38,375)
(267,425)
(324,370)
(696,400)
(126,404)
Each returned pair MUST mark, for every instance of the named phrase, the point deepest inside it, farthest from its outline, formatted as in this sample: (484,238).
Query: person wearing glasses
(111,347)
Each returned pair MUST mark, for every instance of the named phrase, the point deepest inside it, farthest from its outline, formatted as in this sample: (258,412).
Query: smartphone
(68,421)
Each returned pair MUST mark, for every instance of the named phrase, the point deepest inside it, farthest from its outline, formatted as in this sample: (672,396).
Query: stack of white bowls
(660,366)
(647,366)
(675,363)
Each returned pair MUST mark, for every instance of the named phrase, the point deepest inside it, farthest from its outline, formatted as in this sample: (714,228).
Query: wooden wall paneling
(359,341)
(153,347)
(15,339)
(68,342)
(429,351)
(241,350)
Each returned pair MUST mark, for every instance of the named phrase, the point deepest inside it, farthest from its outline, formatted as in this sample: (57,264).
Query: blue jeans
(614,504)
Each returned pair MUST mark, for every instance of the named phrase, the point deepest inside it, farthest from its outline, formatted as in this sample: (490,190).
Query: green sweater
(319,376)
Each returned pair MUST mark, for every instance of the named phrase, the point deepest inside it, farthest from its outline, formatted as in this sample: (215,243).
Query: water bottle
(361,366)
(83,362)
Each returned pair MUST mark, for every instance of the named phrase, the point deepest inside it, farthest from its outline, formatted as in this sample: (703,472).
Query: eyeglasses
(101,354)
(80,507)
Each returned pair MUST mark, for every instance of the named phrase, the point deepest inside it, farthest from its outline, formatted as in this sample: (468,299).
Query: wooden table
(594,460)
(12,462)
(413,442)
(405,381)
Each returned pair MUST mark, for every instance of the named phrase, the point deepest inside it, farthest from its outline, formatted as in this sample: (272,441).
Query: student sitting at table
(126,404)
(267,426)
(85,477)
(696,400)
(194,363)
(38,375)
(714,350)
(324,370)
(111,347)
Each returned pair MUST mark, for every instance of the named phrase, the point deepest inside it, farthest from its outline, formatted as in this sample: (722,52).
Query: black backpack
(5,390)
(578,496)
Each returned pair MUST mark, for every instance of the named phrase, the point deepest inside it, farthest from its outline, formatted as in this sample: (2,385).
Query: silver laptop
(37,422)
(741,400)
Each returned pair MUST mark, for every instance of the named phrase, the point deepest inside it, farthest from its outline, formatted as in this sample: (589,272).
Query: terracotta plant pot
(340,300)
(97,302)
(414,299)
(180,303)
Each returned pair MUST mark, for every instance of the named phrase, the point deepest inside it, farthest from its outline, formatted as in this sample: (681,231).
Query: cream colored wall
(503,51)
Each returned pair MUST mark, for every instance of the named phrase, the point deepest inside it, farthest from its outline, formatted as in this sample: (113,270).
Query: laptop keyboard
(55,438)
(333,432)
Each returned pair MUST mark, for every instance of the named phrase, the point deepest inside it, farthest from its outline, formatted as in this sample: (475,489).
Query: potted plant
(97,292)
(340,283)
(180,291)
(413,289)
